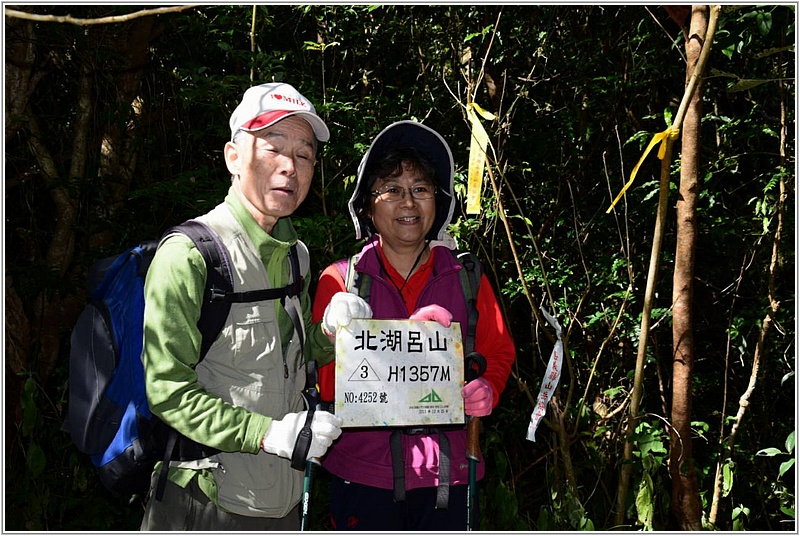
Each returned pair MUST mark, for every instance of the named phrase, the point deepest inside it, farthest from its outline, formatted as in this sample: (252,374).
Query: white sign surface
(399,373)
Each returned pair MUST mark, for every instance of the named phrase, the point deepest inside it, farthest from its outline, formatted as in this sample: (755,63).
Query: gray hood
(429,143)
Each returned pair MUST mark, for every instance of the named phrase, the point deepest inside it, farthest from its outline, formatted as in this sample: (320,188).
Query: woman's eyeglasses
(391,193)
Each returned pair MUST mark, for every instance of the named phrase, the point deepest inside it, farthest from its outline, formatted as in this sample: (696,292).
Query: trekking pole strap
(311,394)
(303,443)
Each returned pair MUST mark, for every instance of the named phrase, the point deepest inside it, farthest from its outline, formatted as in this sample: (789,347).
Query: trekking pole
(475,365)
(307,479)
(311,394)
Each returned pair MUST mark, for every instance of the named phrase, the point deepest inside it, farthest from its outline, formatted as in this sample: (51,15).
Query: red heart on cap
(279,97)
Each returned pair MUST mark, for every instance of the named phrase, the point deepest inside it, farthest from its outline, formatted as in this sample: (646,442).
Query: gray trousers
(190,510)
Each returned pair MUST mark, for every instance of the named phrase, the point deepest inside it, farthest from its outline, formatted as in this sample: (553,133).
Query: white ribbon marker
(550,380)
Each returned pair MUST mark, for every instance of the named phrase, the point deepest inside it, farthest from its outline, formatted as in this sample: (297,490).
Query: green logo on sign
(431,397)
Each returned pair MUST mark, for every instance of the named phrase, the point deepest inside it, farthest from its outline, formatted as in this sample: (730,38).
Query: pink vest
(364,456)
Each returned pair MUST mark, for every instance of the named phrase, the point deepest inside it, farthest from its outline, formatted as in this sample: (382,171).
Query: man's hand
(343,307)
(478,398)
(282,434)
(433,312)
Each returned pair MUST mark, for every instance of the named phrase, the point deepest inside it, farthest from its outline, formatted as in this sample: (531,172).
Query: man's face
(273,168)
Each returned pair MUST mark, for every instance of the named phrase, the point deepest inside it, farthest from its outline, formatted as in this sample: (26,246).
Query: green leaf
(36,460)
(771,451)
(785,466)
(790,442)
(644,503)
(30,412)
(764,21)
(727,478)
(728,51)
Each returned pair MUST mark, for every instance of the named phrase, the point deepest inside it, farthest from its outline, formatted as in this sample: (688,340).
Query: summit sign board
(399,373)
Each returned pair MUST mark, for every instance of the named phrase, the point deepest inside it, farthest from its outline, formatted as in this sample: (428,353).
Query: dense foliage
(114,132)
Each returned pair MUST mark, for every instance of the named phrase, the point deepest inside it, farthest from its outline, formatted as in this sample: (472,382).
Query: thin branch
(69,19)
(253,44)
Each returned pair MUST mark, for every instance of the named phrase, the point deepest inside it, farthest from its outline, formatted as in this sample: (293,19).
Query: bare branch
(69,19)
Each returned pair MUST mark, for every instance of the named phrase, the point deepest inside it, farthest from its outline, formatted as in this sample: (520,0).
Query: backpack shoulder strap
(470,280)
(219,294)
(219,280)
(354,281)
(294,288)
(297,280)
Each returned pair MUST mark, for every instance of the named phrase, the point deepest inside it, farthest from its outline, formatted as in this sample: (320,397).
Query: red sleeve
(493,340)
(330,282)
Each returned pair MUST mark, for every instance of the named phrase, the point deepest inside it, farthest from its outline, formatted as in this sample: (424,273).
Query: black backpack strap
(219,294)
(219,280)
(470,279)
(296,284)
(398,466)
(293,289)
(213,313)
(172,438)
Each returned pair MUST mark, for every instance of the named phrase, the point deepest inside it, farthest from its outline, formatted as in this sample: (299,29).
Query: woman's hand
(433,312)
(478,398)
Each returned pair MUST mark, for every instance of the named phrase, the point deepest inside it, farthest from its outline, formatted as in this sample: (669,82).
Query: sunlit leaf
(785,466)
(644,503)
(727,478)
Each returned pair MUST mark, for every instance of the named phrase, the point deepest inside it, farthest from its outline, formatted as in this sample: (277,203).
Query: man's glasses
(391,194)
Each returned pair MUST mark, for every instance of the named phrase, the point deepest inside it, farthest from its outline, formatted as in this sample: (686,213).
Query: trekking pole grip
(475,367)
(474,439)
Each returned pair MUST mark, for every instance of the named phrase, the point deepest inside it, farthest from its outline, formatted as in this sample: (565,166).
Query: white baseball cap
(266,104)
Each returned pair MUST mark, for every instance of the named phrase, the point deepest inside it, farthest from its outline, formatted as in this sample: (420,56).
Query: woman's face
(406,222)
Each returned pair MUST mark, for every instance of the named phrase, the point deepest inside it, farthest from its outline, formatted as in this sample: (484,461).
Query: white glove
(344,307)
(282,434)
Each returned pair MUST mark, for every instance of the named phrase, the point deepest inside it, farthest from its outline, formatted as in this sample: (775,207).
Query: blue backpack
(108,416)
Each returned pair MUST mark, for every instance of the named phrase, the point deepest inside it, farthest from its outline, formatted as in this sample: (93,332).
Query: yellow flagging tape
(671,133)
(477,156)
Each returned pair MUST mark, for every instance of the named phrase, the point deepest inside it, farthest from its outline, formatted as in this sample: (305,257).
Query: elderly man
(243,399)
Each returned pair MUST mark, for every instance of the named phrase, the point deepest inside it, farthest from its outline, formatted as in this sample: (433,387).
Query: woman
(402,204)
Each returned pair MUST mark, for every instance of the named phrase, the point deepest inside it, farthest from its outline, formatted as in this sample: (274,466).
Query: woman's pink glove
(433,312)
(478,398)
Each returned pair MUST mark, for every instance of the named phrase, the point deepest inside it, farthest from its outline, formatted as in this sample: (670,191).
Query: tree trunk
(685,495)
(51,311)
